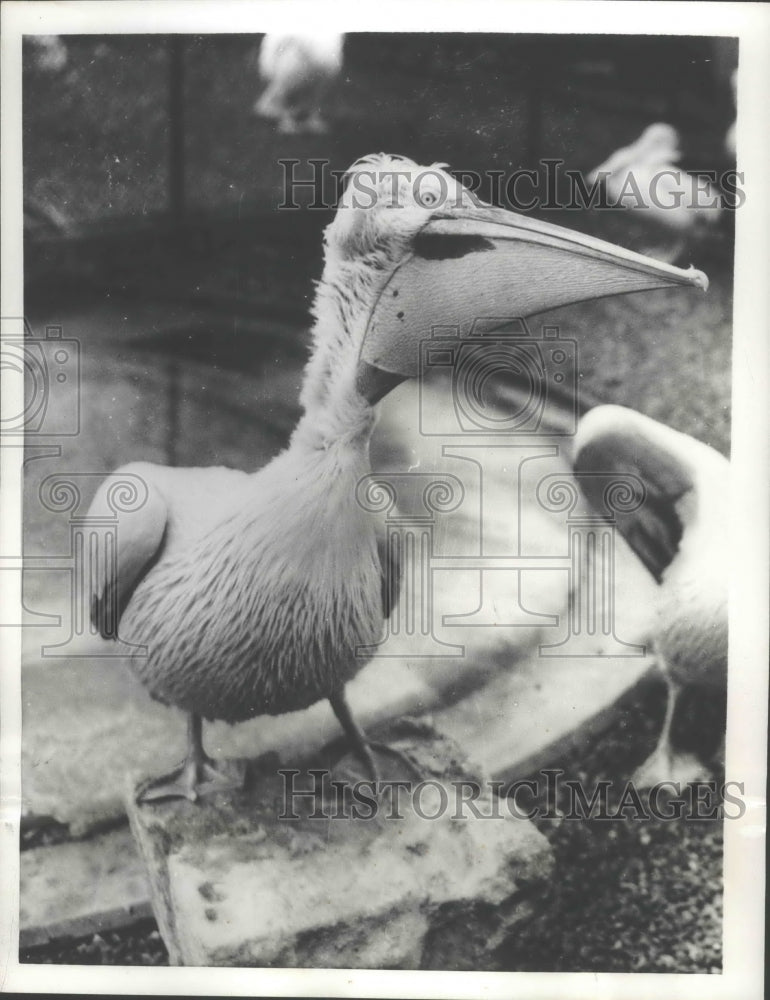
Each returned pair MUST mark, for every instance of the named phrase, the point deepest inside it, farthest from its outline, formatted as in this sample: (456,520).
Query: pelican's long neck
(336,414)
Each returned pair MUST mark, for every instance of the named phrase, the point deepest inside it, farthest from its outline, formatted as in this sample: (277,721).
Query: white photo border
(744,864)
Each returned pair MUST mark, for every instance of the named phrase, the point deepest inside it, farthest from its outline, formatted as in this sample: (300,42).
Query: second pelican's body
(680,534)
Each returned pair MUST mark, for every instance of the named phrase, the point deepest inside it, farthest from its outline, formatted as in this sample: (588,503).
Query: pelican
(680,534)
(643,177)
(298,71)
(261,593)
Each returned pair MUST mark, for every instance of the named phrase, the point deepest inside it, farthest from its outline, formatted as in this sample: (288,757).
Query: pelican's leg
(195,776)
(665,763)
(359,742)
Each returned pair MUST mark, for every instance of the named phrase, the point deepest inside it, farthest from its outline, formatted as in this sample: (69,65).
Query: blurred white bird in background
(51,52)
(730,137)
(299,71)
(44,220)
(680,534)
(644,179)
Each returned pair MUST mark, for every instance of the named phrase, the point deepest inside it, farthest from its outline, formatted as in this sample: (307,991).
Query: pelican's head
(410,249)
(387,200)
(659,143)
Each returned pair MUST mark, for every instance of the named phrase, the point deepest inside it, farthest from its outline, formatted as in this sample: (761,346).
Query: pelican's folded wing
(654,529)
(139,542)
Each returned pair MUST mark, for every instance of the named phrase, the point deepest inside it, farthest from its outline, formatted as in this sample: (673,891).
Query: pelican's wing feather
(140,536)
(654,530)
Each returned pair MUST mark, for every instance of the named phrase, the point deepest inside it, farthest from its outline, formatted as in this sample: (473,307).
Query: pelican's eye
(429,189)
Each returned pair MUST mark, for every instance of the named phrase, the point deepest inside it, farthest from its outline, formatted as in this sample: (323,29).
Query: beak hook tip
(699,279)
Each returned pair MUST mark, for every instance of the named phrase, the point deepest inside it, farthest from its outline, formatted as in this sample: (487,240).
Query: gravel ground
(628,895)
(140,944)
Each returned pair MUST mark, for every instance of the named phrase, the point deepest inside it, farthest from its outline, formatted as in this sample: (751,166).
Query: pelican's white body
(691,612)
(266,585)
(690,622)
(692,601)
(644,177)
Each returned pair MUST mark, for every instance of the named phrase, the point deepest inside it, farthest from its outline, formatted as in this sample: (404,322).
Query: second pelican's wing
(654,530)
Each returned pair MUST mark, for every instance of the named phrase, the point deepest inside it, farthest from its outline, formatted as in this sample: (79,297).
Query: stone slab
(80,888)
(233,884)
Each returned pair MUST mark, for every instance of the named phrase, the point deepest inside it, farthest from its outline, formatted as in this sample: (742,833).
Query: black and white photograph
(384,538)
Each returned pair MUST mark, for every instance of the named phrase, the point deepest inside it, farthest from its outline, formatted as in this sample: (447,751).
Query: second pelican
(680,534)
(643,177)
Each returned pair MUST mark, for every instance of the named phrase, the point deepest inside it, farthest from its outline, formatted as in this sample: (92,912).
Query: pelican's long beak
(477,262)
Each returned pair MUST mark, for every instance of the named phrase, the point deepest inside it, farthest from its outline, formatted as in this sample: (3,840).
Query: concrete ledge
(81,888)
(235,885)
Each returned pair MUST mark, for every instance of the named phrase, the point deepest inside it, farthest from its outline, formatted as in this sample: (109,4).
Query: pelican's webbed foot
(198,775)
(364,748)
(191,780)
(398,755)
(667,764)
